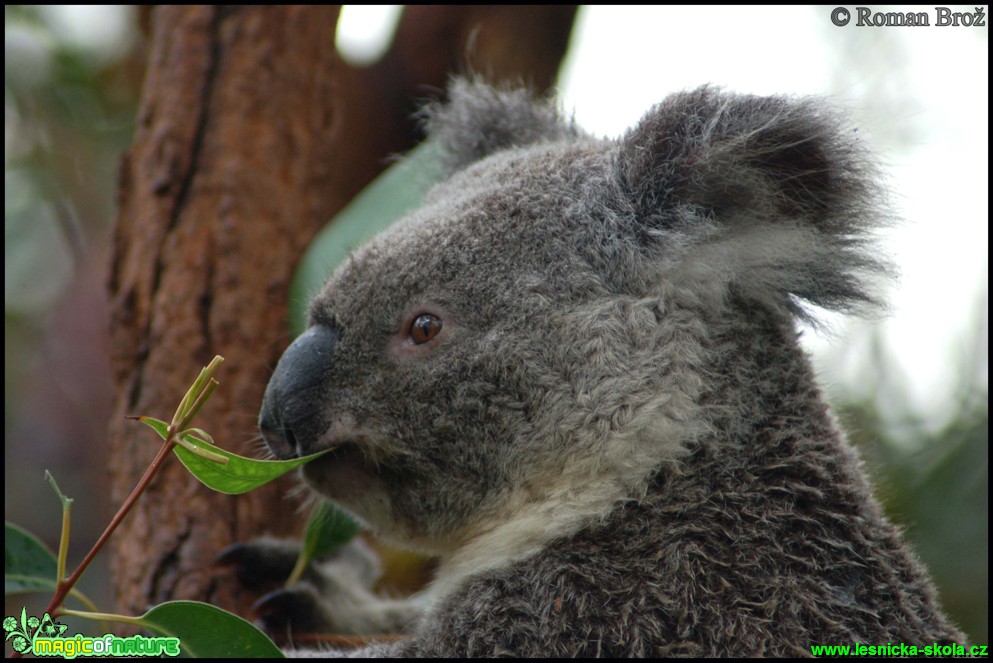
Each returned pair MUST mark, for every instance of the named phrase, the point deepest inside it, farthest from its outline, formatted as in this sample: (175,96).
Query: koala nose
(291,419)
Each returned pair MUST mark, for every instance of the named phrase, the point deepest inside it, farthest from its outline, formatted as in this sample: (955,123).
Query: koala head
(542,329)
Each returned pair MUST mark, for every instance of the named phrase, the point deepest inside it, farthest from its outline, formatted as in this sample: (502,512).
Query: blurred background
(911,388)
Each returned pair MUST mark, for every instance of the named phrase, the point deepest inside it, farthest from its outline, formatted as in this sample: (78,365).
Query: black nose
(291,419)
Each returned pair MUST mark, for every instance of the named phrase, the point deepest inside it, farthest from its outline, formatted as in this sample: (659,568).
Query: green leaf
(157,425)
(28,565)
(202,435)
(66,501)
(205,631)
(239,475)
(198,392)
(194,440)
(398,190)
(328,528)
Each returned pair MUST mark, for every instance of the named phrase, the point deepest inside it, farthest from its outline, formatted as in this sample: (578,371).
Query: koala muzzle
(291,420)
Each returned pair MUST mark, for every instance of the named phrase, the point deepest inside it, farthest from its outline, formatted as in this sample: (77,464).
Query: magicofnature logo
(44,637)
(21,634)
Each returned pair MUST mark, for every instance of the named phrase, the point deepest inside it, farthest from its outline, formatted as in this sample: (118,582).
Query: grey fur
(615,444)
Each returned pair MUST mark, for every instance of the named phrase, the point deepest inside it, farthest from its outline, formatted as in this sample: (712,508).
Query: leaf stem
(103,616)
(63,586)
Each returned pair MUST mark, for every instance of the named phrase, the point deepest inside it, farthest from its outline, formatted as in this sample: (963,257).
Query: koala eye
(424,328)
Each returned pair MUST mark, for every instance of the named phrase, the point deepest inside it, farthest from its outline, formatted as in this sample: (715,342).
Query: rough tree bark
(252,133)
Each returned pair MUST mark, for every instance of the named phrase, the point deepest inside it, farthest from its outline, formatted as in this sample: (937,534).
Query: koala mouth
(343,453)
(350,470)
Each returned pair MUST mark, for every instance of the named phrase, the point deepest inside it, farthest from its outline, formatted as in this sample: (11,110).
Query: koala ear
(480,119)
(776,186)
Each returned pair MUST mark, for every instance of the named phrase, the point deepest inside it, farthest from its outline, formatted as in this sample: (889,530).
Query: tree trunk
(252,133)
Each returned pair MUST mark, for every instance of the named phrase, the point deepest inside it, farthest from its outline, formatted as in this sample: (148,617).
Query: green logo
(44,637)
(21,635)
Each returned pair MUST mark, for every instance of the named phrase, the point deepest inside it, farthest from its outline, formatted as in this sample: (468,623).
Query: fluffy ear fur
(776,188)
(480,119)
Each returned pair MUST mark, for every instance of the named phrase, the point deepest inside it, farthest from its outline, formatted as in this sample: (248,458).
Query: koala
(573,375)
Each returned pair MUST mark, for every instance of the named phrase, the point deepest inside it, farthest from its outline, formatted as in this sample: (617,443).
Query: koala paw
(294,610)
(261,565)
(334,595)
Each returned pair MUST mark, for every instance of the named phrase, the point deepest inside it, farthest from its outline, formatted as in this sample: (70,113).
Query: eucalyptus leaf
(200,390)
(239,475)
(205,631)
(66,501)
(157,425)
(29,566)
(328,528)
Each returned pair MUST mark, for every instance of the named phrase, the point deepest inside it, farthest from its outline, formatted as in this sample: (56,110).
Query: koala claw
(260,565)
(334,595)
(289,611)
